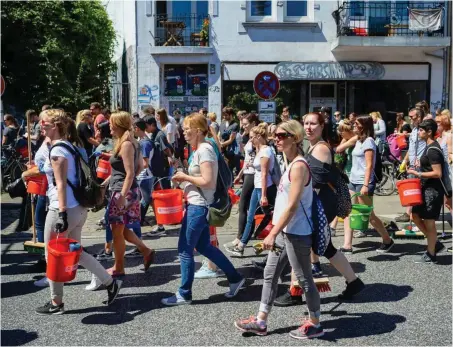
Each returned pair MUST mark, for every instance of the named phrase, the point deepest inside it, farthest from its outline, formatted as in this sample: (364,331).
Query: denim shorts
(357,187)
(129,213)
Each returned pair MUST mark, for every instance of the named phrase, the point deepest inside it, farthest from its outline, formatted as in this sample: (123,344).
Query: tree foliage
(56,52)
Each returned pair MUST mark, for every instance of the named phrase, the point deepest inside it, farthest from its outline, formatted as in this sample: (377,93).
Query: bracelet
(365,185)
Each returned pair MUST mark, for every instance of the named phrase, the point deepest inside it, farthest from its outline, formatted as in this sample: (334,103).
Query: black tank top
(119,172)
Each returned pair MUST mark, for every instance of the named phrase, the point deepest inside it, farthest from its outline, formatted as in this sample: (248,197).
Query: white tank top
(299,225)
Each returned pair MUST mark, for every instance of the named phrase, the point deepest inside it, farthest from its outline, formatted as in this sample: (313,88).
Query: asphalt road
(403,304)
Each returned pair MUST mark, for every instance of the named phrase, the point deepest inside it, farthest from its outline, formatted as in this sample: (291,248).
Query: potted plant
(204,33)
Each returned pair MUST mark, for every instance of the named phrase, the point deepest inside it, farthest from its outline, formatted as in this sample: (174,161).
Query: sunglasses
(282,136)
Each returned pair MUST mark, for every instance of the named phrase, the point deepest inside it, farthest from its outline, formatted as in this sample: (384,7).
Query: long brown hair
(367,124)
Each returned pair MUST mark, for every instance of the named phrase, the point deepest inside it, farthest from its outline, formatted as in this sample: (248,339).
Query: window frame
(308,18)
(271,18)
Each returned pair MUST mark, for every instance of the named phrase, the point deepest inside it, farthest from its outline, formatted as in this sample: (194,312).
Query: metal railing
(383,18)
(187,29)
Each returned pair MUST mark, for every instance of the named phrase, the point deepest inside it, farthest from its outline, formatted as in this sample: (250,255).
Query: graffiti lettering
(214,89)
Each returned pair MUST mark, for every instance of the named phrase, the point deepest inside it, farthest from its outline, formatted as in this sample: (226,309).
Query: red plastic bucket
(168,206)
(61,263)
(410,192)
(258,219)
(104,169)
(37,184)
(401,141)
(234,198)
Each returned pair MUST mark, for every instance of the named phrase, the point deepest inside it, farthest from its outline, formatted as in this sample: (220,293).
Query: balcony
(387,24)
(182,30)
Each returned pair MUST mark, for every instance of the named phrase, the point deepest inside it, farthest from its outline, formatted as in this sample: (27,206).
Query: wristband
(365,185)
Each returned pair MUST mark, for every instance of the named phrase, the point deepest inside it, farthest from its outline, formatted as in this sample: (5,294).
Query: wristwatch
(420,175)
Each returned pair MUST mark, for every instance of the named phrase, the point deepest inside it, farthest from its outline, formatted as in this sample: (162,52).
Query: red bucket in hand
(37,184)
(61,263)
(258,219)
(104,169)
(410,192)
(234,198)
(168,206)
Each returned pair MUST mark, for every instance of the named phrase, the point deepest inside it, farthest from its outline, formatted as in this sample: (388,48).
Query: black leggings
(246,194)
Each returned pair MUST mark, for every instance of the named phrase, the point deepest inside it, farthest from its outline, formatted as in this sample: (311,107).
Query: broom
(32,247)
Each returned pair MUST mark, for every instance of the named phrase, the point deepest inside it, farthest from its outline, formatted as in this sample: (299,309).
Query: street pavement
(403,303)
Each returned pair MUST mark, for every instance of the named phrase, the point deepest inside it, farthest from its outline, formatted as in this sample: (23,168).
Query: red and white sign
(266,85)
(2,85)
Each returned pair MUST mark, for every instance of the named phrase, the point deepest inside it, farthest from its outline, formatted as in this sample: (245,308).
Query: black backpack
(88,192)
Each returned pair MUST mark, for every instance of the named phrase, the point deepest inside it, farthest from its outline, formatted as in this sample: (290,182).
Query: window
(296,8)
(357,8)
(261,8)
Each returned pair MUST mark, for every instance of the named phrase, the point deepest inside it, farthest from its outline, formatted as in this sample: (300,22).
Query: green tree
(56,52)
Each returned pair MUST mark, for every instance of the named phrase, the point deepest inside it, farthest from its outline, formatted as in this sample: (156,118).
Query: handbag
(16,189)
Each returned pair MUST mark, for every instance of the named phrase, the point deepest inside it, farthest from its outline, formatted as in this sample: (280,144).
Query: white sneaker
(333,232)
(43,282)
(95,283)
(233,243)
(359,234)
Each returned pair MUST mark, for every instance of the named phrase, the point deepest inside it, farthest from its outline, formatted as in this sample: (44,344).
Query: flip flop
(112,272)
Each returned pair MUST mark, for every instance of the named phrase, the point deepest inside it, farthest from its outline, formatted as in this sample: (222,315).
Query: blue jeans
(146,188)
(135,227)
(40,216)
(195,234)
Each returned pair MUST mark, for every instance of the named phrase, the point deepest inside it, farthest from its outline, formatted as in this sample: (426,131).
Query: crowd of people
(283,170)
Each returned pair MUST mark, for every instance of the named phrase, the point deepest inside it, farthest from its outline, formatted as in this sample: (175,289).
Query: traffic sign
(266,85)
(2,85)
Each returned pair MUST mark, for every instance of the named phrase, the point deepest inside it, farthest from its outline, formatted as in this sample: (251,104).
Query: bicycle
(12,165)
(390,175)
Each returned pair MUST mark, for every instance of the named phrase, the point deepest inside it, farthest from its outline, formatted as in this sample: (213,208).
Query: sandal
(112,272)
(149,259)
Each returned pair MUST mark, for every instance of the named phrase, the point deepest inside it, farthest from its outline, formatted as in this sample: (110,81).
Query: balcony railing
(182,30)
(382,18)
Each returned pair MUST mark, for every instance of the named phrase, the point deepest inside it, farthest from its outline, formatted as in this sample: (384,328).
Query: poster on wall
(186,80)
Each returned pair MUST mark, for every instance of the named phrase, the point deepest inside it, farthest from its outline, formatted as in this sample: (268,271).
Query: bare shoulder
(322,153)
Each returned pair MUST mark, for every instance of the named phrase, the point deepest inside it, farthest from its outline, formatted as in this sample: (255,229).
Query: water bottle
(74,246)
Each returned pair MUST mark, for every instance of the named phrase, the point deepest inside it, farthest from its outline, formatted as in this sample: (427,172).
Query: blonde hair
(345,126)
(376,114)
(197,121)
(82,116)
(212,116)
(123,120)
(294,128)
(261,130)
(445,119)
(163,117)
(59,118)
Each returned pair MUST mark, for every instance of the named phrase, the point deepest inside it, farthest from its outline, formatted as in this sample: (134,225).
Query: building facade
(356,56)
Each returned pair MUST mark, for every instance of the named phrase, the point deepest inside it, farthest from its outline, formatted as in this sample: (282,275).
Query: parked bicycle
(13,163)
(390,175)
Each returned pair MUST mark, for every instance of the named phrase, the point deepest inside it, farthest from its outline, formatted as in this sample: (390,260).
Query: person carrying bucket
(66,216)
(426,214)
(124,204)
(199,188)
(362,180)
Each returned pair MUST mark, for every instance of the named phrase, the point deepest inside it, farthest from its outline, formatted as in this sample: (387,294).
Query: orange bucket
(401,141)
(61,263)
(258,219)
(234,198)
(104,169)
(37,184)
(410,192)
(168,206)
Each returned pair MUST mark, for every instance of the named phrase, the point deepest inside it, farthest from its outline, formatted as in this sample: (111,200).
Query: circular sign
(2,85)
(266,85)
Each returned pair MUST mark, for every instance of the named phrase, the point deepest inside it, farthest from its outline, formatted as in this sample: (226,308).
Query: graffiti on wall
(146,94)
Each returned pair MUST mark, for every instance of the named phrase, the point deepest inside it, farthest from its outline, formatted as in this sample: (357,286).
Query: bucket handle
(160,179)
(358,194)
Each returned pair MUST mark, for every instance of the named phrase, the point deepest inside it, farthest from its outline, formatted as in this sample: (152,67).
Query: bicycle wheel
(386,186)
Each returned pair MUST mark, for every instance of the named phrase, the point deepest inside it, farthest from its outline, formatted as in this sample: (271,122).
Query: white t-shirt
(52,193)
(359,163)
(41,155)
(265,152)
(170,129)
(249,158)
(205,153)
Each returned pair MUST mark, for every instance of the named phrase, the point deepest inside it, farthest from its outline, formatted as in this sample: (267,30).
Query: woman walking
(247,174)
(124,205)
(65,217)
(264,191)
(292,231)
(199,188)
(10,131)
(362,180)
(426,214)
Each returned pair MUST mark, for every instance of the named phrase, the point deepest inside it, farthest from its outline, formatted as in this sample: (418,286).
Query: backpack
(220,209)
(445,180)
(88,192)
(319,226)
(395,151)
(276,172)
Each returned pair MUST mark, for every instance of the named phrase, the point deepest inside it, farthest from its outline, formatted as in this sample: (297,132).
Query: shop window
(186,80)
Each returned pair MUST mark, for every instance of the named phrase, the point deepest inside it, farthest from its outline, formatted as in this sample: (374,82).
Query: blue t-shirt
(147,150)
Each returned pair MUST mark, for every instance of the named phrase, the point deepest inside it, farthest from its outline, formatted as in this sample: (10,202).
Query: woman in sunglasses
(362,180)
(292,232)
(320,159)
(265,190)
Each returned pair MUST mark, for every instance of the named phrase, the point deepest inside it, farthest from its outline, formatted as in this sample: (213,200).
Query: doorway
(323,94)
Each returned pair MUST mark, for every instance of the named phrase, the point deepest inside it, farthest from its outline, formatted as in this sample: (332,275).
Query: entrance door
(323,94)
